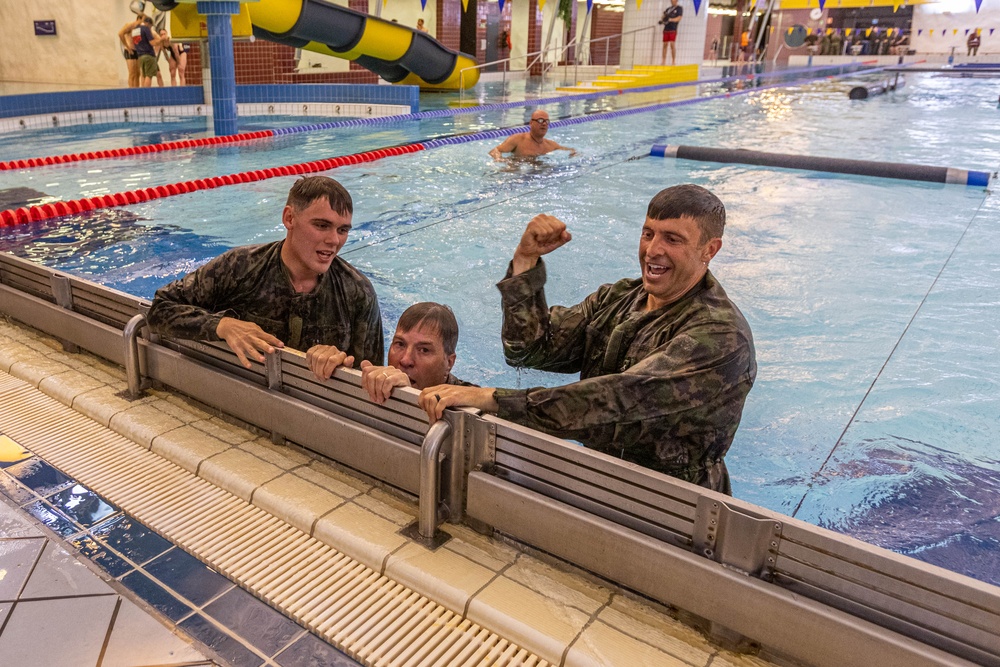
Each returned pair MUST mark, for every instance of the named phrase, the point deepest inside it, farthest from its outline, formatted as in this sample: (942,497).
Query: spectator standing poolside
(665,360)
(128,50)
(972,44)
(295,292)
(531,143)
(420,25)
(672,16)
(146,48)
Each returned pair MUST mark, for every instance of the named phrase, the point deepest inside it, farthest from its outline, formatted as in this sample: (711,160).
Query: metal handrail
(537,56)
(430,478)
(546,492)
(131,339)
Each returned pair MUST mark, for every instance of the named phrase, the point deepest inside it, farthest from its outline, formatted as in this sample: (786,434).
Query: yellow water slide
(395,52)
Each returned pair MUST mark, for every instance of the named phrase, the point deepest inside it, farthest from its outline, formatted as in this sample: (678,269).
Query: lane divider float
(27,214)
(130,151)
(57,209)
(909,172)
(133,150)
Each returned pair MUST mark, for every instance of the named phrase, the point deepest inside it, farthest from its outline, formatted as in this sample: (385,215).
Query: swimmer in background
(531,143)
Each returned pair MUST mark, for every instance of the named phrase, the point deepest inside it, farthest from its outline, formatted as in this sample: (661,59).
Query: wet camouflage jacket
(251,283)
(663,389)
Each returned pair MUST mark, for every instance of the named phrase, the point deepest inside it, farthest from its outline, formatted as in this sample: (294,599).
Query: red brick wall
(449,21)
(262,61)
(605,24)
(192,75)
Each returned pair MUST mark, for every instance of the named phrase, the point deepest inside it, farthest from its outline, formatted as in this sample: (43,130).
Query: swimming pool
(872,301)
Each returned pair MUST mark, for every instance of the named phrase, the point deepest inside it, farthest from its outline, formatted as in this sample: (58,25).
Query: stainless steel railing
(798,590)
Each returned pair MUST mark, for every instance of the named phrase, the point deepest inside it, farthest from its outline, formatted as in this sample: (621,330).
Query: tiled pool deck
(562,615)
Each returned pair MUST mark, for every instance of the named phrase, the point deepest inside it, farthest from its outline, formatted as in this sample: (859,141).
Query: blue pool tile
(188,576)
(81,504)
(156,596)
(265,628)
(230,649)
(54,519)
(311,651)
(131,539)
(15,490)
(39,476)
(102,555)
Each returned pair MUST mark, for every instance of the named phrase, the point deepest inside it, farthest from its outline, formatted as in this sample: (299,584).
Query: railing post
(132,372)
(430,483)
(272,370)
(62,290)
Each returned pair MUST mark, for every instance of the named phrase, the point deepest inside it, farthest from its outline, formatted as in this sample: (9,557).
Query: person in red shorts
(672,16)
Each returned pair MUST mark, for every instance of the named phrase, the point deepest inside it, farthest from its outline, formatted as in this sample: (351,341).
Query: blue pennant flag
(501,4)
(979,3)
(697,6)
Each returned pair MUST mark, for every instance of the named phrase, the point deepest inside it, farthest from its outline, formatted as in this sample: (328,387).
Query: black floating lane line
(910,172)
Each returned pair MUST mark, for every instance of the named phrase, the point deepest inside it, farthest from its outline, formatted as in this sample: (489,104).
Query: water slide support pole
(222,63)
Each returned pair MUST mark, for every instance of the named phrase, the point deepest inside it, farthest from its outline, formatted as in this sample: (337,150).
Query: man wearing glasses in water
(531,143)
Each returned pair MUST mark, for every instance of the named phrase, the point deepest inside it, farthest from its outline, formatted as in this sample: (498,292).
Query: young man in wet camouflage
(665,360)
(295,292)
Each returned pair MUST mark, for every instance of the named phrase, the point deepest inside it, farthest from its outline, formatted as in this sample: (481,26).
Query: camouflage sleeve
(186,308)
(535,336)
(459,383)
(687,375)
(367,340)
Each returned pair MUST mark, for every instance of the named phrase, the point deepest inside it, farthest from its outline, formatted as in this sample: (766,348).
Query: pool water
(873,302)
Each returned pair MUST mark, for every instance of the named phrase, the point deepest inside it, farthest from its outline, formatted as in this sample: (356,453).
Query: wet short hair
(308,189)
(692,201)
(148,20)
(437,315)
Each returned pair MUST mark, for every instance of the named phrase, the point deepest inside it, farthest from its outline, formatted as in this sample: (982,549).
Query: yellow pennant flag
(954,32)
(541,5)
(930,32)
(868,33)
(465,6)
(847,32)
(829,31)
(790,30)
(638,4)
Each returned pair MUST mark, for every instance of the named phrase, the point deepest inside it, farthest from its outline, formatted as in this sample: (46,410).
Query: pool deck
(562,615)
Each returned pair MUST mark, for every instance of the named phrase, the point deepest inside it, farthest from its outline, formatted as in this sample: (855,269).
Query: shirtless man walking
(531,143)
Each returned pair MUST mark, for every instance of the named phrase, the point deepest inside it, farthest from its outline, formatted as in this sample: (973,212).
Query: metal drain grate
(365,614)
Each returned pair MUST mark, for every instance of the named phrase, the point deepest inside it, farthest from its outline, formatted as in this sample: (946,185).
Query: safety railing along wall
(800,591)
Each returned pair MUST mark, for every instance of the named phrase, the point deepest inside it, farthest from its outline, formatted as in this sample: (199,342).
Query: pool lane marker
(909,172)
(25,215)
(129,151)
(133,150)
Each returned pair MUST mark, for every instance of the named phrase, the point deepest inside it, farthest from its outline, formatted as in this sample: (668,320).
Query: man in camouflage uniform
(295,292)
(665,360)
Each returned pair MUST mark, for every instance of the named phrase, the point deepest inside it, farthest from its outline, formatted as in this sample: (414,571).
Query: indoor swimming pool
(872,301)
